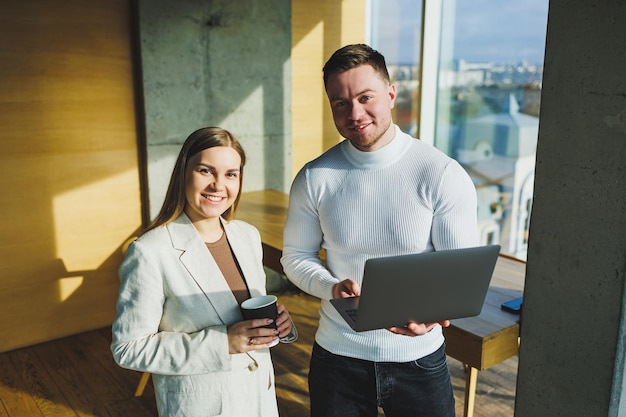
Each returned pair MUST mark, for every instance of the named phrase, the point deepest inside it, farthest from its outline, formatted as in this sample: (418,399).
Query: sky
(501,31)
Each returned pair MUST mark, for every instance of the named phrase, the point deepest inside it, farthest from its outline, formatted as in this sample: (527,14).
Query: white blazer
(173,308)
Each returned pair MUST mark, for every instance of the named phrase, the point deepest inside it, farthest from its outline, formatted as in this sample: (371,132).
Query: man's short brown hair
(352,56)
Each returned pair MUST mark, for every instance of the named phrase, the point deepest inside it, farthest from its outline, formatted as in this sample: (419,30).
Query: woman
(182,283)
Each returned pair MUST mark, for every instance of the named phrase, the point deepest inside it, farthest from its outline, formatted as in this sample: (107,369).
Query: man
(378,193)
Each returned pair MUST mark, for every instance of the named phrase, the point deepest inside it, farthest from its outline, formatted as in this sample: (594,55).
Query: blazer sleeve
(138,342)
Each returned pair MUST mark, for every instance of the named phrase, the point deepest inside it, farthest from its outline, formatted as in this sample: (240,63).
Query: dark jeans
(345,387)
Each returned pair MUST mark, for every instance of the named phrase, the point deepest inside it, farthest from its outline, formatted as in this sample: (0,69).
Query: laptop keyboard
(352,313)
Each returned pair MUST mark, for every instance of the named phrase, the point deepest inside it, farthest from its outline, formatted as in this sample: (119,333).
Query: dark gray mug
(261,307)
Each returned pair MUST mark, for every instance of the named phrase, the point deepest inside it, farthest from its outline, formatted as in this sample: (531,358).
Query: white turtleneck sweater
(406,197)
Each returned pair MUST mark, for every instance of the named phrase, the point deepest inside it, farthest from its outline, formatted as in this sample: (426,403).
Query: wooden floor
(76,376)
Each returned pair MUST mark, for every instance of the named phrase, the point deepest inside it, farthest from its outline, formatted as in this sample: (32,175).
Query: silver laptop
(425,288)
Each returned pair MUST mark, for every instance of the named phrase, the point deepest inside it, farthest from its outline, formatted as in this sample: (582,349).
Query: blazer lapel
(202,268)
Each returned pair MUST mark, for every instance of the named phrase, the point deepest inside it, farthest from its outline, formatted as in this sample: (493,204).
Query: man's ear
(392,95)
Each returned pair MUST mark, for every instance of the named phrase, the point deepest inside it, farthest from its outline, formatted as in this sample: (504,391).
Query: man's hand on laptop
(417,329)
(346,288)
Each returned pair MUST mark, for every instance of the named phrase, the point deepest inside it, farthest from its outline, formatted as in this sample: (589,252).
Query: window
(480,71)
(395,28)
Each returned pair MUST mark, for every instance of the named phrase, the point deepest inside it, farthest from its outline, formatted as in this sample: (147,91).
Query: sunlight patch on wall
(67,287)
(246,122)
(247,115)
(90,224)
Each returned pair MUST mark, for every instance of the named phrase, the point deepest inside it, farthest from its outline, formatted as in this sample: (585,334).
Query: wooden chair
(143,381)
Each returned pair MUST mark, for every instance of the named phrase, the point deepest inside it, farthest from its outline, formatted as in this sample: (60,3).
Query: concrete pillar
(217,63)
(573,340)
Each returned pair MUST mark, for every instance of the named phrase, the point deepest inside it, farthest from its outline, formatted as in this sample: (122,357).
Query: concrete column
(217,63)
(573,326)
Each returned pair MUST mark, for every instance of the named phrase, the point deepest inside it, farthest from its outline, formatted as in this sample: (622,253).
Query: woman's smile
(212,182)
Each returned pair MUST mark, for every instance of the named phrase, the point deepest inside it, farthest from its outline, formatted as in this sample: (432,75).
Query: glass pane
(489,88)
(396,33)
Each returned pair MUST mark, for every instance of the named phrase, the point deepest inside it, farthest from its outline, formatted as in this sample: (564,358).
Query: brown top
(225,259)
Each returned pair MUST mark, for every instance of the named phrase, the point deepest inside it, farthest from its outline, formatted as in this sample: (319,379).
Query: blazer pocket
(193,404)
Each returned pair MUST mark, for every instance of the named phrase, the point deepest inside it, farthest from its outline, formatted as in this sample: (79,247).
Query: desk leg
(470,390)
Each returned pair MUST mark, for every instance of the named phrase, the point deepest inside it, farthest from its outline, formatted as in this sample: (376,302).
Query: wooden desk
(267,210)
(493,336)
(478,342)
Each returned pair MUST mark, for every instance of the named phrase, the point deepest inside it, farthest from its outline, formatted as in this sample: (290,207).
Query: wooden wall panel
(318,29)
(69,170)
